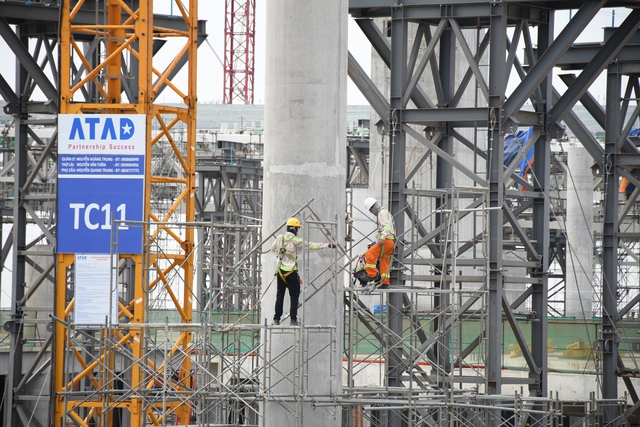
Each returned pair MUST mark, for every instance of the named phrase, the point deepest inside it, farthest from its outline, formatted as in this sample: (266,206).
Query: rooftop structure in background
(234,118)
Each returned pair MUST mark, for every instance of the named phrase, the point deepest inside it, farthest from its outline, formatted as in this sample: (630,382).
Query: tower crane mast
(239,44)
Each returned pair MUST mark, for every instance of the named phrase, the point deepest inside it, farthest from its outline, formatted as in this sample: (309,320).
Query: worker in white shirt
(287,247)
(382,250)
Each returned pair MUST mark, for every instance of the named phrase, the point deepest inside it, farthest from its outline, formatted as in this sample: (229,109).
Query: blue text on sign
(81,126)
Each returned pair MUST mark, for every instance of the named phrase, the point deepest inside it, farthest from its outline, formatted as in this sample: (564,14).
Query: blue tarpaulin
(513,145)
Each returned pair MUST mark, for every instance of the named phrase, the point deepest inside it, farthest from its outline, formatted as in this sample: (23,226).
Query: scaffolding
(235,369)
(436,351)
(440,350)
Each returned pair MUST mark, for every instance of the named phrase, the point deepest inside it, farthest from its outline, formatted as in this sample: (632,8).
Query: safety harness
(281,254)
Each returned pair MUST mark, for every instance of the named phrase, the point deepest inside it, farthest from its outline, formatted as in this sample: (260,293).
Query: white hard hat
(369,202)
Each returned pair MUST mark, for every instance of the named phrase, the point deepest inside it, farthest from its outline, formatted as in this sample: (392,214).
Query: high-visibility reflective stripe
(370,266)
(385,275)
(286,239)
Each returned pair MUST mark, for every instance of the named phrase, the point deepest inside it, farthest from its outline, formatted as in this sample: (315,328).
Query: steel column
(11,413)
(609,341)
(444,181)
(497,86)
(397,201)
(540,229)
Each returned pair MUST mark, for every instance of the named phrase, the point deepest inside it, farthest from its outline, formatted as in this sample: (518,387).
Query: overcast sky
(213,12)
(210,70)
(210,80)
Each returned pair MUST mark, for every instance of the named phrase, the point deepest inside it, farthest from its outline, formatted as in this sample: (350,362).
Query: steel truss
(87,57)
(177,360)
(417,42)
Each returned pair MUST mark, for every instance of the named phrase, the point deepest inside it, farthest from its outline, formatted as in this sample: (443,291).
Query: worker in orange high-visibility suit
(383,249)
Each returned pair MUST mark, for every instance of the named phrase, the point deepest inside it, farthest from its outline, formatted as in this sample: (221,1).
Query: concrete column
(304,159)
(579,270)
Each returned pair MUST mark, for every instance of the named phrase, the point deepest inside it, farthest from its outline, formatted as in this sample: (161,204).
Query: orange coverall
(386,233)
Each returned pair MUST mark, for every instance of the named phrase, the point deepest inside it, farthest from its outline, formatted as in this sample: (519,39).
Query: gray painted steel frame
(33,196)
(497,87)
(498,118)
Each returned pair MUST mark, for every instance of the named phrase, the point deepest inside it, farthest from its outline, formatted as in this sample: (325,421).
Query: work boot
(371,286)
(374,285)
(294,323)
(276,322)
(374,282)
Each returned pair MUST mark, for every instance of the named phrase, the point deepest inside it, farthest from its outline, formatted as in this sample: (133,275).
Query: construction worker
(383,249)
(287,247)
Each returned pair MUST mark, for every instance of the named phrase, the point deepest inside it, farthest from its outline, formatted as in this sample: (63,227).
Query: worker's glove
(332,245)
(380,242)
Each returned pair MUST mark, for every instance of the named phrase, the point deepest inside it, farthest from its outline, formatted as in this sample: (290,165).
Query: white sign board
(96,295)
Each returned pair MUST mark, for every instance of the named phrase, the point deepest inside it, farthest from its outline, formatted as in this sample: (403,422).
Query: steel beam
(547,61)
(380,44)
(593,69)
(468,13)
(596,110)
(27,61)
(9,96)
(370,91)
(426,58)
(464,83)
(445,156)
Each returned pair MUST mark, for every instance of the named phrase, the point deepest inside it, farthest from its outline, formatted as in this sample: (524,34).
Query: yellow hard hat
(293,222)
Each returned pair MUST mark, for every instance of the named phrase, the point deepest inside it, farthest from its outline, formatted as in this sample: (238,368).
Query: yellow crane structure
(84,381)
